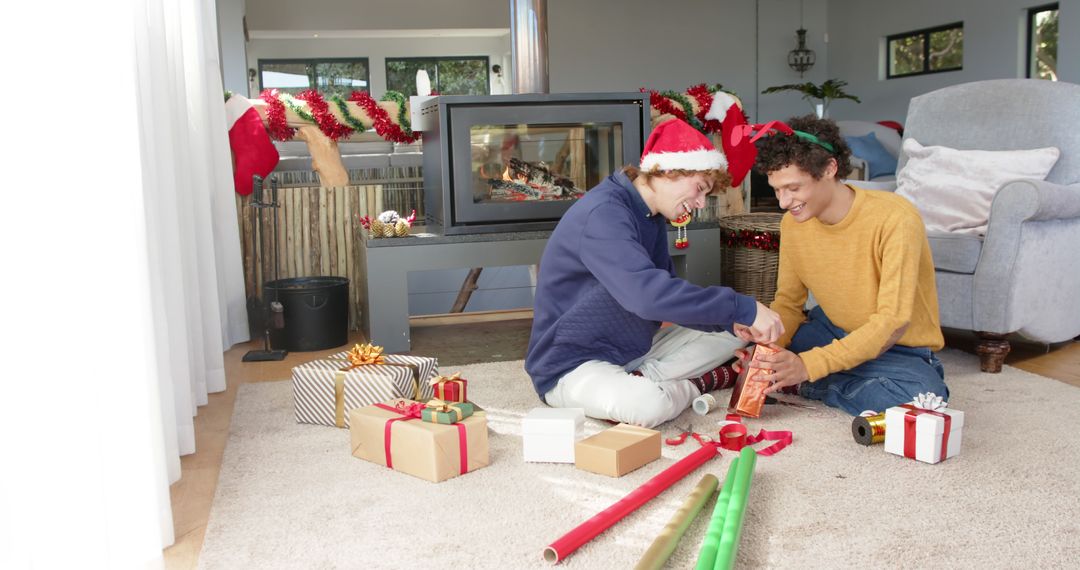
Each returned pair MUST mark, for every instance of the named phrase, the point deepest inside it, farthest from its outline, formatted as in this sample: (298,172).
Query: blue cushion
(868,148)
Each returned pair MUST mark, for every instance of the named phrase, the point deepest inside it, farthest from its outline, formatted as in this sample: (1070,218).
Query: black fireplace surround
(517,162)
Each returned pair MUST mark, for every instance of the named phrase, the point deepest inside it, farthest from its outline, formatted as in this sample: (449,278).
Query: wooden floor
(453,345)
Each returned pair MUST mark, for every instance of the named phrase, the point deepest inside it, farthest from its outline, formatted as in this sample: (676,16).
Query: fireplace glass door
(530,163)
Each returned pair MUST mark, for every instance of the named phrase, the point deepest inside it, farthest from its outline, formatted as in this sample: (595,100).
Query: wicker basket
(751,253)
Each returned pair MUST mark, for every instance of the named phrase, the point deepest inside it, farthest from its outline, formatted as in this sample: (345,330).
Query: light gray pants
(610,392)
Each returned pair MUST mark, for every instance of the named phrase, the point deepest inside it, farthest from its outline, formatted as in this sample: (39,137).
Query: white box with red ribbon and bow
(925,430)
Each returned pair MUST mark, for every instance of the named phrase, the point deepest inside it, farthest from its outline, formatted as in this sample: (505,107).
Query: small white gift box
(549,434)
(929,434)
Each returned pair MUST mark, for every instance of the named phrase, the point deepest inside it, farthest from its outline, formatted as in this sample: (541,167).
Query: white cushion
(953,189)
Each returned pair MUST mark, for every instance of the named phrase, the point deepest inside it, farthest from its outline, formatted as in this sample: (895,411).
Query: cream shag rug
(291,496)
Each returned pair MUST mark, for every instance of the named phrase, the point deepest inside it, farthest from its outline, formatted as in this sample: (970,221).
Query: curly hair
(778,151)
(720,178)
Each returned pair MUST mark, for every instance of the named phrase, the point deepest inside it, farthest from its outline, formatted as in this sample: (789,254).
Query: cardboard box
(618,450)
(317,399)
(748,396)
(920,434)
(421,449)
(549,434)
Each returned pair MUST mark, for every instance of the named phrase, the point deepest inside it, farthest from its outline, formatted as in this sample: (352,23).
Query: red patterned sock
(793,389)
(718,378)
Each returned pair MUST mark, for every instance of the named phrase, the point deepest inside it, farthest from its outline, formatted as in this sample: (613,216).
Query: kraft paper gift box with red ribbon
(925,429)
(450,388)
(324,390)
(393,434)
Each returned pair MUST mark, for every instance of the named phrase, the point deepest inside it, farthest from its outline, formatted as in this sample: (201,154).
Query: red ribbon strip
(910,420)
(413,412)
(733,437)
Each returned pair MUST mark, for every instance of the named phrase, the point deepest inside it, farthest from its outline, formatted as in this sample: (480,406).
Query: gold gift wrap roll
(868,430)
(664,545)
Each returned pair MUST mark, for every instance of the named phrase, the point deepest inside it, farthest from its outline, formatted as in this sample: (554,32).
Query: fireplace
(517,162)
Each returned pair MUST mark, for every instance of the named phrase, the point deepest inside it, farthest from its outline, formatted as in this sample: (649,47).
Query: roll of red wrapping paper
(707,554)
(664,544)
(586,531)
(736,508)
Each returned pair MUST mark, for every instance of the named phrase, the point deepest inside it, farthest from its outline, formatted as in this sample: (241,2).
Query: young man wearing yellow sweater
(869,343)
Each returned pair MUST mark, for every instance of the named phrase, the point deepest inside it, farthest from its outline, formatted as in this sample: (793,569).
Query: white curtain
(195,262)
(123,279)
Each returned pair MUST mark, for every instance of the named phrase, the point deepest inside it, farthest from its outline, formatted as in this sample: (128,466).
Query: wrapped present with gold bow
(450,388)
(324,390)
(393,434)
(440,412)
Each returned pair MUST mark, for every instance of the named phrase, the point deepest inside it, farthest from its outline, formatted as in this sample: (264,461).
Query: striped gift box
(314,392)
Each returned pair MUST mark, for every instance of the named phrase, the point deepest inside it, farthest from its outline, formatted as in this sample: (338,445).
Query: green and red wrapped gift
(440,412)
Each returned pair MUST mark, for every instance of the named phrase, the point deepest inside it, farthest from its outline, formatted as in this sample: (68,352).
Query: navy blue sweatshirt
(606,282)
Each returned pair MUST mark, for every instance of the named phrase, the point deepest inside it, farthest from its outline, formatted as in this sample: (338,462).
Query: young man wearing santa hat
(869,343)
(606,282)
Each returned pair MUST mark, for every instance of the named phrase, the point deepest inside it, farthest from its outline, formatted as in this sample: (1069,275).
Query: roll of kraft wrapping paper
(707,554)
(733,522)
(661,549)
(586,531)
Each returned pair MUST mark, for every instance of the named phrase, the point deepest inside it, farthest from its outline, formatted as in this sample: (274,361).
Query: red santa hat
(253,151)
(740,158)
(675,145)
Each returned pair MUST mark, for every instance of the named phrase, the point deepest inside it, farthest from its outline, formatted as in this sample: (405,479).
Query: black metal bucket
(316,312)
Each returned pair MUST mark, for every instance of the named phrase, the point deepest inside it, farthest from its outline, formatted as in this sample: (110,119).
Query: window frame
(437,59)
(316,60)
(925,33)
(1031,13)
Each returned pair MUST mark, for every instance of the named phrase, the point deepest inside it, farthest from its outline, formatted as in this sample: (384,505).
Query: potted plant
(819,96)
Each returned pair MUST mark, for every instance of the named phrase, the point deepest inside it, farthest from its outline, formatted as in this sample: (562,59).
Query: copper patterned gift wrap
(748,395)
(324,390)
(392,434)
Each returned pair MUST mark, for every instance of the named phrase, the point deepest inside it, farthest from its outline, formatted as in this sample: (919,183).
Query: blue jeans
(891,379)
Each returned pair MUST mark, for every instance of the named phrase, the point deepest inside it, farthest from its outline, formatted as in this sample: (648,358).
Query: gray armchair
(1024,275)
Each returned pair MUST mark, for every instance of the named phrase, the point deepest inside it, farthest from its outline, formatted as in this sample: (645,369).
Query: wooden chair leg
(992,349)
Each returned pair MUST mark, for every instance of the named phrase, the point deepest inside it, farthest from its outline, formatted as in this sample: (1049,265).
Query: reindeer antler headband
(752,133)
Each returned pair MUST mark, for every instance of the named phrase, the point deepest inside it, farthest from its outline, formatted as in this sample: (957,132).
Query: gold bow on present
(363,354)
(440,379)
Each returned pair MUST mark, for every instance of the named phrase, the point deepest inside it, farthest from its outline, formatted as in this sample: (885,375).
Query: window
(449,75)
(1042,42)
(926,51)
(329,76)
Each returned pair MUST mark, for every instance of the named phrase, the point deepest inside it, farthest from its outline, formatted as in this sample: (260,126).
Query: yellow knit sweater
(872,274)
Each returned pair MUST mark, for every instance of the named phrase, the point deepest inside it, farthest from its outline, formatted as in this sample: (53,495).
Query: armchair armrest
(1033,200)
(1027,258)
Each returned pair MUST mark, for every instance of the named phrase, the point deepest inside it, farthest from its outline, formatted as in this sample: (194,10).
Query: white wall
(231,48)
(377,50)
(777,22)
(995,37)
(613,45)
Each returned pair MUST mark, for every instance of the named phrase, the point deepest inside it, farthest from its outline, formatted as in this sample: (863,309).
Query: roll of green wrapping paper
(736,508)
(661,549)
(707,555)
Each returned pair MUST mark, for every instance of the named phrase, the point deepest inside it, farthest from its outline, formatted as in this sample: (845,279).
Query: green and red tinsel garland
(679,106)
(321,116)
(384,126)
(275,116)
